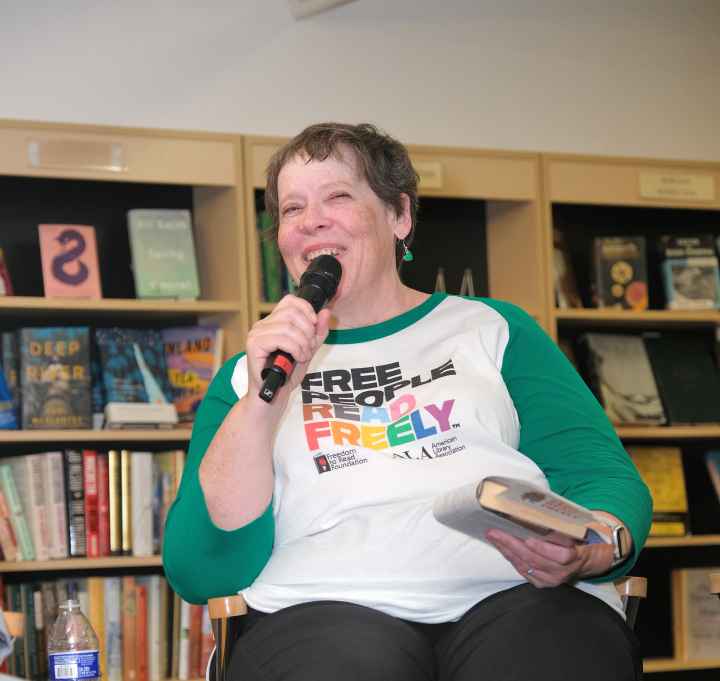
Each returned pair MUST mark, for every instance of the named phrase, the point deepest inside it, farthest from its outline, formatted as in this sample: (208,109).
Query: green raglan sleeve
(200,559)
(565,431)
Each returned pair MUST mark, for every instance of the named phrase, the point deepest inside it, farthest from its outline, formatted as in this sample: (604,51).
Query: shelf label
(74,154)
(677,186)
(431,174)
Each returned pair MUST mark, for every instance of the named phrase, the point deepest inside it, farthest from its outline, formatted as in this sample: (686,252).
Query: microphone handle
(278,367)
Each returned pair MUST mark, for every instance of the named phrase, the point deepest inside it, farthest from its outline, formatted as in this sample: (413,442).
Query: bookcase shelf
(110,435)
(586,197)
(32,307)
(116,562)
(699,432)
(694,540)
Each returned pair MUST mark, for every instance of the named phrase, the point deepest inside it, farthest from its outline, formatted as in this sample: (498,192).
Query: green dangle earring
(407,253)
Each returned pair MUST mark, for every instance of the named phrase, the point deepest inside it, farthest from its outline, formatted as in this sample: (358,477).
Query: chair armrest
(226,615)
(632,590)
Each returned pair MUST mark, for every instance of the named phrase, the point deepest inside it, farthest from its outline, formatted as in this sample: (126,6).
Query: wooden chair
(226,613)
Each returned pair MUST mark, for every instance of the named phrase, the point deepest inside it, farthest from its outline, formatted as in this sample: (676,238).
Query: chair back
(226,613)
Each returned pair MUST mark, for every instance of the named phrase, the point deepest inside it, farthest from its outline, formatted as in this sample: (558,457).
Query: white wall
(631,77)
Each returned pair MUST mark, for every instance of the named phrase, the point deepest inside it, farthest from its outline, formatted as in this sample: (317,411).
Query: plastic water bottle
(73,653)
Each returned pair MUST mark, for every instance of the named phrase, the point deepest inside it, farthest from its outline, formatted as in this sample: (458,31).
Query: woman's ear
(403,221)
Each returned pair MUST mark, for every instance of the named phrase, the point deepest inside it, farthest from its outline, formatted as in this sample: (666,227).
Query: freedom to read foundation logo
(369,408)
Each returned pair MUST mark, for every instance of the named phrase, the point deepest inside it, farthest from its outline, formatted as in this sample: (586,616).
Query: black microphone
(317,285)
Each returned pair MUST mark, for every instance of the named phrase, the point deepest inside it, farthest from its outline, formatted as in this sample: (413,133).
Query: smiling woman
(318,506)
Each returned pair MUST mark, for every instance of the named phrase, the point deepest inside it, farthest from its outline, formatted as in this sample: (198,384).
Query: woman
(318,505)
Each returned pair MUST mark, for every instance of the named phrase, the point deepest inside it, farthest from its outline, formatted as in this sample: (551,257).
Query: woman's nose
(314,218)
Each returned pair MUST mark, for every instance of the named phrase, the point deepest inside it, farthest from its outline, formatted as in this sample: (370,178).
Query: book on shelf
(661,468)
(18,517)
(129,629)
(696,615)
(90,488)
(8,419)
(163,254)
(133,365)
(193,355)
(69,261)
(270,260)
(712,464)
(113,628)
(28,476)
(103,503)
(53,468)
(75,496)
(520,508)
(125,502)
(11,367)
(686,375)
(620,374)
(8,541)
(141,503)
(6,287)
(115,502)
(690,272)
(566,289)
(620,272)
(55,377)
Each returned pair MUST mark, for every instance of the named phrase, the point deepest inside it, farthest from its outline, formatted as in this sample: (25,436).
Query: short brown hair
(383,162)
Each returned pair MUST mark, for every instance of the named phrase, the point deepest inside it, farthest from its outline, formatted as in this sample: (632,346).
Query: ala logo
(436,450)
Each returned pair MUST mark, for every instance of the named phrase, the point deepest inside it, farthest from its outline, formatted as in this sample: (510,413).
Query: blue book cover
(133,365)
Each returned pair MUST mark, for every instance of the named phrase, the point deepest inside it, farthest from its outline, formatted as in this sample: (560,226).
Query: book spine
(126,501)
(55,485)
(103,490)
(8,541)
(73,463)
(195,638)
(19,522)
(184,647)
(11,368)
(38,504)
(141,503)
(129,626)
(91,503)
(141,632)
(155,627)
(114,502)
(96,615)
(113,629)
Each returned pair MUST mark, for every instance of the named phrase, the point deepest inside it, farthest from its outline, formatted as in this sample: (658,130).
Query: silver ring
(530,572)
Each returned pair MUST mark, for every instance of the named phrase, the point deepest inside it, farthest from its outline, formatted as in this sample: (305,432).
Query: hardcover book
(661,469)
(687,376)
(623,380)
(566,290)
(620,272)
(690,272)
(11,367)
(193,355)
(6,288)
(272,265)
(69,261)
(75,494)
(519,508)
(55,377)
(696,616)
(133,365)
(163,254)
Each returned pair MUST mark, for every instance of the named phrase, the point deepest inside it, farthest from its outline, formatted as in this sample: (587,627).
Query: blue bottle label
(82,664)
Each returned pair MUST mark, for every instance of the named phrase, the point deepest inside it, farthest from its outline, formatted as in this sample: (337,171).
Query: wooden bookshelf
(69,564)
(583,196)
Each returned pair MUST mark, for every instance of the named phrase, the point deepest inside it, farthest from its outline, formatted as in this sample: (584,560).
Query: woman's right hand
(292,326)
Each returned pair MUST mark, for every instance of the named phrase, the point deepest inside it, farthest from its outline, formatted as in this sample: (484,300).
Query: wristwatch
(616,535)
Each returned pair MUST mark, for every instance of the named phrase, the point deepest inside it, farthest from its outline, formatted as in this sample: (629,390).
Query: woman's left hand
(555,561)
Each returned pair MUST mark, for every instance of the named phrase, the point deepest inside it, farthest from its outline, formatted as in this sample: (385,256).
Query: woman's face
(327,207)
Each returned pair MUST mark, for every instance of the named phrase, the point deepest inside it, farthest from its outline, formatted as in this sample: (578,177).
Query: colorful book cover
(690,272)
(163,254)
(69,261)
(17,513)
(193,355)
(133,365)
(11,367)
(55,377)
(8,419)
(6,288)
(620,272)
(92,537)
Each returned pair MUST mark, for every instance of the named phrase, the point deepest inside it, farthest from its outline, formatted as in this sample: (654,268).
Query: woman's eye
(340,195)
(289,210)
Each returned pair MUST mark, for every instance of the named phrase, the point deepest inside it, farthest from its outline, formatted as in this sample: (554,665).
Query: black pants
(523,634)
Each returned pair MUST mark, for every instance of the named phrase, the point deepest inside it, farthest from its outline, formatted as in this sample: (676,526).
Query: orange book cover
(141,632)
(69,261)
(195,640)
(129,624)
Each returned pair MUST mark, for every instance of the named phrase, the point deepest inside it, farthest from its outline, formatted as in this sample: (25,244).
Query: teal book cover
(163,254)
